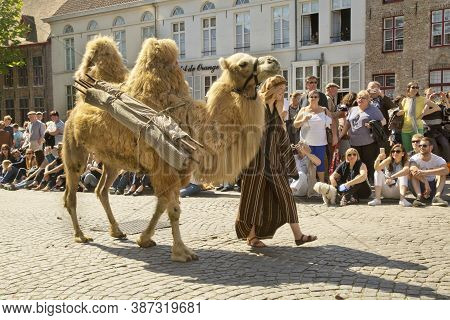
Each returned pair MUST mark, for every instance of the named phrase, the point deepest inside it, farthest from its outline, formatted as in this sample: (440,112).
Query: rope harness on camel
(159,131)
(253,76)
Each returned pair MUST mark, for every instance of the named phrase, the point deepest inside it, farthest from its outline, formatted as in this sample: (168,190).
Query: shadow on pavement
(274,266)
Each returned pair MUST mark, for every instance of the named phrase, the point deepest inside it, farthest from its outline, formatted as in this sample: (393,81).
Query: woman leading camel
(266,198)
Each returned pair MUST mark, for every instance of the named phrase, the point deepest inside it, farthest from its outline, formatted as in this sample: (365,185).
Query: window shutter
(355,77)
(324,76)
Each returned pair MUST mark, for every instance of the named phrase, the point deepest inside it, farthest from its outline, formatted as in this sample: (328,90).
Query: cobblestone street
(386,252)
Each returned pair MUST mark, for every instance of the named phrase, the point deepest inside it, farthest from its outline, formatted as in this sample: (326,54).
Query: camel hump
(103,61)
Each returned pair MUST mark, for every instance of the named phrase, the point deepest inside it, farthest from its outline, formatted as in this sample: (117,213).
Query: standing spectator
(5,136)
(347,102)
(17,136)
(58,130)
(40,116)
(433,124)
(358,124)
(413,108)
(8,127)
(428,172)
(391,176)
(36,131)
(331,93)
(381,101)
(313,121)
(294,107)
(311,84)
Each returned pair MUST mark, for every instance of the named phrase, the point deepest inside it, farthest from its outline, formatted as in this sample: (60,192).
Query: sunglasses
(4,148)
(314,97)
(415,141)
(29,153)
(424,145)
(352,155)
(396,151)
(313,82)
(414,87)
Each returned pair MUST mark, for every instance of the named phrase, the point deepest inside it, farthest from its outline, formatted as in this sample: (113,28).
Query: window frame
(283,44)
(441,84)
(243,47)
(22,76)
(212,78)
(69,54)
(443,21)
(38,77)
(8,79)
(36,107)
(177,11)
(341,77)
(92,25)
(122,42)
(210,51)
(208,5)
(180,33)
(383,86)
(70,97)
(393,30)
(308,13)
(316,71)
(10,107)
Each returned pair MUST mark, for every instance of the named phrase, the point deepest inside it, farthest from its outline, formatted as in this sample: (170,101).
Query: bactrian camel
(229,125)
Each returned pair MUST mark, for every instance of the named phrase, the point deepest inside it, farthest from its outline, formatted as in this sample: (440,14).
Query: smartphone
(382,151)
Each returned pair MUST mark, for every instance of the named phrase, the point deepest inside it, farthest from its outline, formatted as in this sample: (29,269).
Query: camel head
(157,64)
(245,72)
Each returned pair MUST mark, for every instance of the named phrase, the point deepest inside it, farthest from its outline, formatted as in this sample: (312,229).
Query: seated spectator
(17,136)
(306,164)
(191,189)
(391,176)
(6,153)
(17,160)
(428,173)
(349,180)
(122,181)
(53,170)
(415,141)
(29,168)
(8,173)
(94,171)
(138,181)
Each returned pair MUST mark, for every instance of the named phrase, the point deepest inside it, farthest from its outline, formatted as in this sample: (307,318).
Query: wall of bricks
(417,57)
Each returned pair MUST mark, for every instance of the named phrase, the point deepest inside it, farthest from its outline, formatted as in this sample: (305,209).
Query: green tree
(11,30)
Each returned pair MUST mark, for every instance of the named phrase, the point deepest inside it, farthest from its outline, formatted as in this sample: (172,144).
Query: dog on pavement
(327,191)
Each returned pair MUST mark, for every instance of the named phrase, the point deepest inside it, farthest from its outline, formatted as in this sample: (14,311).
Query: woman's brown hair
(404,157)
(412,84)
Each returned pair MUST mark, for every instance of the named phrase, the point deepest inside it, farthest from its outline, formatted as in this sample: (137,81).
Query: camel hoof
(183,255)
(145,243)
(82,239)
(118,234)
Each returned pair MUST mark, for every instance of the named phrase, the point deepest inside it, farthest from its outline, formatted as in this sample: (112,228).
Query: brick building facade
(408,40)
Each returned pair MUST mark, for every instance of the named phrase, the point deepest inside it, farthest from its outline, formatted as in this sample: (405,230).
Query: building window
(70,97)
(39,104)
(303,72)
(209,37)
(177,11)
(242,32)
(38,71)
(9,107)
(148,32)
(285,74)
(118,21)
(340,20)
(239,2)
(387,83)
(92,25)
(23,109)
(440,28)
(69,48)
(280,27)
(147,16)
(341,77)
(310,23)
(208,6)
(209,80)
(9,78)
(23,76)
(68,29)
(91,36)
(178,35)
(393,34)
(120,39)
(440,80)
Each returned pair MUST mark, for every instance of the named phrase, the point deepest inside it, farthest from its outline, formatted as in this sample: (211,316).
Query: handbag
(395,121)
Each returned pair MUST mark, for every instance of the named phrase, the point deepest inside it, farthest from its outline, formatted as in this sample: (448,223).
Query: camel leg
(102,192)
(74,163)
(180,252)
(145,239)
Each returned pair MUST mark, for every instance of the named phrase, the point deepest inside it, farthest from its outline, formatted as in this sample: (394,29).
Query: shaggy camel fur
(229,125)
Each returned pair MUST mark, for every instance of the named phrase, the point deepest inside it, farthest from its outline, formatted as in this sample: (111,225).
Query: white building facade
(324,38)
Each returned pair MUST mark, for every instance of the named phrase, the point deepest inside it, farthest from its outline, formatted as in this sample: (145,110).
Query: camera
(343,108)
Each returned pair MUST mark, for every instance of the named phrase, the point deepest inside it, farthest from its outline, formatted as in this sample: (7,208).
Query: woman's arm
(380,164)
(403,172)
(334,178)
(300,119)
(361,177)
(345,129)
(430,107)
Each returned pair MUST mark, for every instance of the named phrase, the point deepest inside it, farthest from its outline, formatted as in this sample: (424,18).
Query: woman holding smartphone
(391,176)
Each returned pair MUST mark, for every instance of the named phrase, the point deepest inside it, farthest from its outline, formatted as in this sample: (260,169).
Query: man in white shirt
(428,173)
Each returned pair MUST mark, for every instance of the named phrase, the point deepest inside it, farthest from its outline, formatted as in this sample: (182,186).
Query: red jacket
(5,138)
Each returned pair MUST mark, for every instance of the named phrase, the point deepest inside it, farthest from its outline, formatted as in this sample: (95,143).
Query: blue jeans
(190,190)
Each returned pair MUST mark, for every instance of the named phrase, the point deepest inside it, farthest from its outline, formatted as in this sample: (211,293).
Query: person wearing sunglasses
(413,109)
(391,176)
(359,129)
(311,84)
(428,174)
(415,141)
(314,121)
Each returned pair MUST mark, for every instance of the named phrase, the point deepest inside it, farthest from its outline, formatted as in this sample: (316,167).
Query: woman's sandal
(255,244)
(305,239)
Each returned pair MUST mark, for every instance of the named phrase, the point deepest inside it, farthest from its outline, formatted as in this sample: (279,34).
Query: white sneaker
(405,203)
(374,202)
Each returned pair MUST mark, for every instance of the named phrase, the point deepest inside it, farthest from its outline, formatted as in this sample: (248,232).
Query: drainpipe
(296,28)
(156,19)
